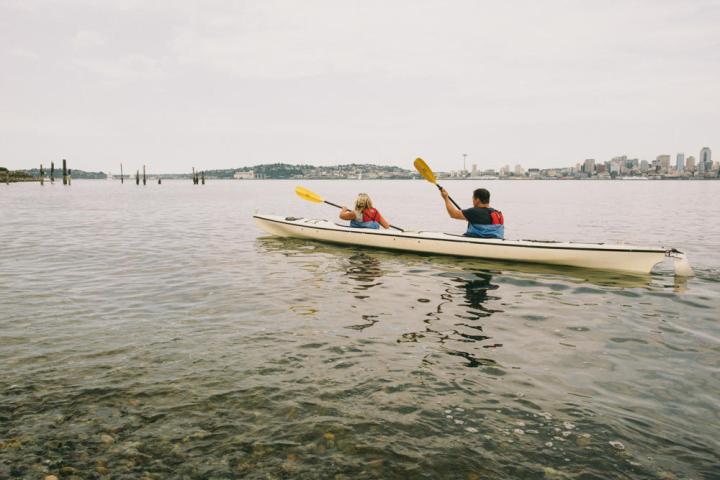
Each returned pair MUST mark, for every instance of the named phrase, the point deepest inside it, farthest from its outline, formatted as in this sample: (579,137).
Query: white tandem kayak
(624,258)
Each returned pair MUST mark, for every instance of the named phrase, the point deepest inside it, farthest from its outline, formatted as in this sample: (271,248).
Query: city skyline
(663,161)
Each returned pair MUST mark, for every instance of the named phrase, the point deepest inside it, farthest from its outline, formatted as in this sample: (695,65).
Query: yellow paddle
(428,175)
(311,196)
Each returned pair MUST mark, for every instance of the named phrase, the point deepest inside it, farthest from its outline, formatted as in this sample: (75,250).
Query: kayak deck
(622,258)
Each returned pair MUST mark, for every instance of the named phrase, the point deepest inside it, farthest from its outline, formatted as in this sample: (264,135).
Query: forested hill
(75,173)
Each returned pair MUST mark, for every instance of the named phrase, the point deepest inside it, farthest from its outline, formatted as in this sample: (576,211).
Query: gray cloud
(221,84)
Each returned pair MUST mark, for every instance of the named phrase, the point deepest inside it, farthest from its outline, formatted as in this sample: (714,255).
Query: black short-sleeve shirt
(478,216)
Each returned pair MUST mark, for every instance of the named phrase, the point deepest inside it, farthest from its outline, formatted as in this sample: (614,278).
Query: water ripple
(155,332)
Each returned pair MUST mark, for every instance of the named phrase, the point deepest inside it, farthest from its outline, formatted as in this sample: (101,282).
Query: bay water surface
(156,332)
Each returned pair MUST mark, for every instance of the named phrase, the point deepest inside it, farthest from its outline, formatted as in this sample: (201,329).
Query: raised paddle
(311,196)
(428,175)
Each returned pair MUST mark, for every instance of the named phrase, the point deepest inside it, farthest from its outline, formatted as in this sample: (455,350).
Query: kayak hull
(585,255)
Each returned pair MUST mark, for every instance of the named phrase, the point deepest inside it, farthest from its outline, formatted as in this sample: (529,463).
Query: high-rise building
(680,162)
(519,172)
(690,164)
(644,166)
(589,166)
(616,165)
(664,163)
(705,160)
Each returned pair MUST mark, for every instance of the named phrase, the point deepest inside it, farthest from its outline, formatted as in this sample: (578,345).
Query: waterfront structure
(705,160)
(589,166)
(680,162)
(519,172)
(618,165)
(644,166)
(244,175)
(690,164)
(663,161)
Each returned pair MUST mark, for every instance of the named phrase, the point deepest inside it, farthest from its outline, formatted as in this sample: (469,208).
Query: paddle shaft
(333,204)
(338,206)
(450,198)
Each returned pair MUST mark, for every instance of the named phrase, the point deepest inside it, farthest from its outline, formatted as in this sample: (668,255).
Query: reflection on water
(500,320)
(475,288)
(364,270)
(464,297)
(296,246)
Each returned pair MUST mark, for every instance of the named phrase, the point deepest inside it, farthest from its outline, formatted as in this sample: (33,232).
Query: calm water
(156,332)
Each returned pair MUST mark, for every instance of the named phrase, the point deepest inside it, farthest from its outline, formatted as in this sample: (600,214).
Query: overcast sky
(176,84)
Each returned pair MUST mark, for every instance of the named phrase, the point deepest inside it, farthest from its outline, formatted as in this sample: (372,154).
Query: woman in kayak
(364,215)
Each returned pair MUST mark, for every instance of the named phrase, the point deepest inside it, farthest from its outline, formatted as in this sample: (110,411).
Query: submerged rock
(376,463)
(583,440)
(617,444)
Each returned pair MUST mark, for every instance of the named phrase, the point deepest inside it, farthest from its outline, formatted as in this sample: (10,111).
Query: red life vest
(496,216)
(370,215)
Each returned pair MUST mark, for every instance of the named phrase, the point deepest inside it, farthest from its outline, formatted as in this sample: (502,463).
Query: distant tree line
(35,172)
(285,170)
(15,175)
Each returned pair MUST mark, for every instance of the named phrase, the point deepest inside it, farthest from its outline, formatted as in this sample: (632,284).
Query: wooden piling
(42,175)
(159,181)
(137,177)
(202,175)
(193,175)
(64,172)
(69,177)
(121,175)
(52,172)
(144,177)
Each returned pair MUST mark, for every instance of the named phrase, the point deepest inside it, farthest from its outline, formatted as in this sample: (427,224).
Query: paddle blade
(306,194)
(424,170)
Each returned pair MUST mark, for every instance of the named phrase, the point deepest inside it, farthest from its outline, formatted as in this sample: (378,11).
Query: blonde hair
(363,202)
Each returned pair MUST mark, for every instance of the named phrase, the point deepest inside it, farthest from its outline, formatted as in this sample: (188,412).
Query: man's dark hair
(482,194)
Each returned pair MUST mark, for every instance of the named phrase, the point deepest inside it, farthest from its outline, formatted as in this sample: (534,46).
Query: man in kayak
(483,221)
(364,215)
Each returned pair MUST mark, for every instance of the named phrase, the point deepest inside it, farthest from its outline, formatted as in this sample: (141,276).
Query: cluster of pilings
(144,177)
(198,177)
(138,177)
(66,173)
